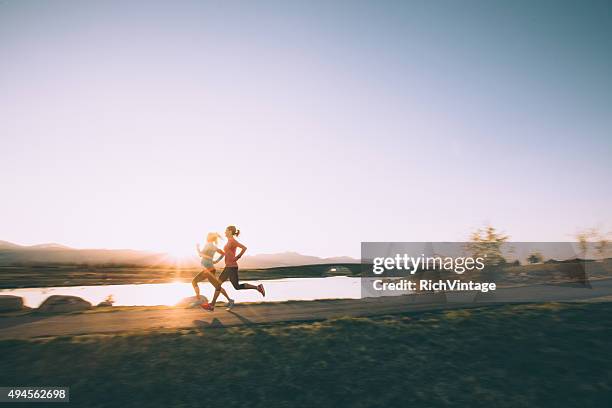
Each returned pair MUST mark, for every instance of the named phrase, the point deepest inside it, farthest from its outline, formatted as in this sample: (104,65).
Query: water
(169,294)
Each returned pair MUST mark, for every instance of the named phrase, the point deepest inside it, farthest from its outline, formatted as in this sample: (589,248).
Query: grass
(545,355)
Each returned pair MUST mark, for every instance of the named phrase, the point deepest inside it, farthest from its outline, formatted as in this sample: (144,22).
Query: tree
(487,243)
(583,238)
(602,247)
(590,235)
(535,258)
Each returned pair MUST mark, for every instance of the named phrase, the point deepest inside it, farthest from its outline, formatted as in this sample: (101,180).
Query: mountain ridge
(53,253)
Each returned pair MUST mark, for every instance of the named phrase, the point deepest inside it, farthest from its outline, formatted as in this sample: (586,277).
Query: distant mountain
(13,254)
(6,244)
(289,259)
(51,245)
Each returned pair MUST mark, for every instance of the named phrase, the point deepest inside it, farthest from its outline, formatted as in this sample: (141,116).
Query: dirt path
(39,325)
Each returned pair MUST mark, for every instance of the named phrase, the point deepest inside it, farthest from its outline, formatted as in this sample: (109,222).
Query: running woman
(231,266)
(208,271)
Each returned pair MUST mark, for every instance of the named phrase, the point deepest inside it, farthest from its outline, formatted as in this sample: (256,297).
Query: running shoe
(230,304)
(207,306)
(261,290)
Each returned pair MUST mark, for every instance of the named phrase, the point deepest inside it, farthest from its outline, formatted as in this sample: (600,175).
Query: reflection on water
(277,290)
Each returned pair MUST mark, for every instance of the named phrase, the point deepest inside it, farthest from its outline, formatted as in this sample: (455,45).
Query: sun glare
(181,252)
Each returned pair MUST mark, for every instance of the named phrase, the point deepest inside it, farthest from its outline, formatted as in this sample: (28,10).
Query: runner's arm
(222,254)
(242,250)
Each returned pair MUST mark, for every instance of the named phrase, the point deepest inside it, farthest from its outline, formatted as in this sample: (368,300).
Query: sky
(311,125)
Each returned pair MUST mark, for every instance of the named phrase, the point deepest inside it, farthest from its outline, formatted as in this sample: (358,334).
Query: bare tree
(593,235)
(603,244)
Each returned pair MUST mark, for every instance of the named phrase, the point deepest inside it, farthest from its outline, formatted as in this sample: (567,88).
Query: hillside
(55,254)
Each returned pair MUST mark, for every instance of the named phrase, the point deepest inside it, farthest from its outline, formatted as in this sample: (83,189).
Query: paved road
(32,326)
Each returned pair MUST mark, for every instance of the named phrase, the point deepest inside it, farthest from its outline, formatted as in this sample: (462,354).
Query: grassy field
(548,355)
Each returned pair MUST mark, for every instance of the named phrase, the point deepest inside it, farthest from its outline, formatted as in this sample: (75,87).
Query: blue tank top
(209,250)
(207,255)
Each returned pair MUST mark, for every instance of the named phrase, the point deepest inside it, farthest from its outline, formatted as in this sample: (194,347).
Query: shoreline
(47,276)
(138,319)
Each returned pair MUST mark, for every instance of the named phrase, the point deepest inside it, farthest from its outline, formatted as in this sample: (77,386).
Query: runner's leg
(215,282)
(222,278)
(233,276)
(198,278)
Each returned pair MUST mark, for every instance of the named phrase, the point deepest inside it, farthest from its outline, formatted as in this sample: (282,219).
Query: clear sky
(311,125)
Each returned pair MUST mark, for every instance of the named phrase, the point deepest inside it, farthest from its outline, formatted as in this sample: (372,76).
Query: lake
(169,294)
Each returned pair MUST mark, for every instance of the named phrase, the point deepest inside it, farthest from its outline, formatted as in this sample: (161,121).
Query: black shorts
(231,273)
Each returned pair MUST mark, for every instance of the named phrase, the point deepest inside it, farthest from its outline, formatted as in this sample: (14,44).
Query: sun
(181,252)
